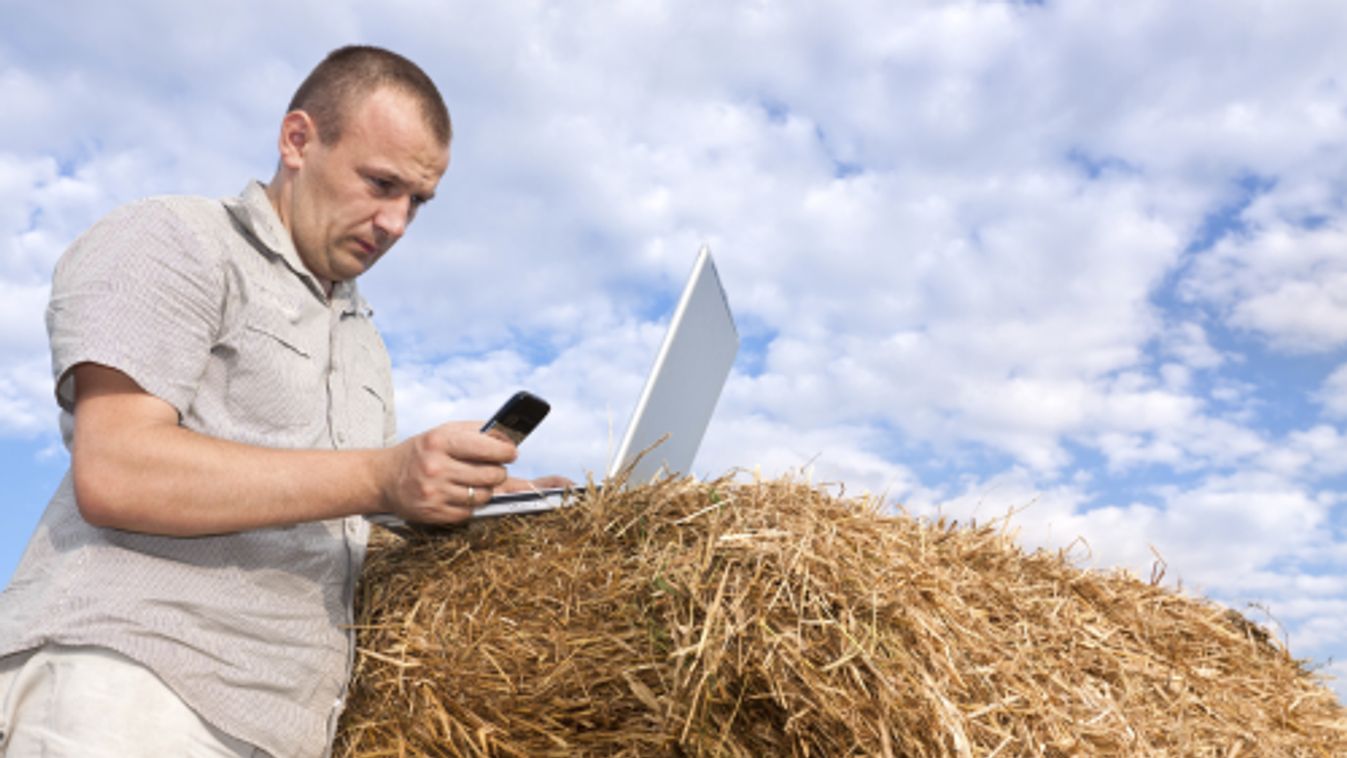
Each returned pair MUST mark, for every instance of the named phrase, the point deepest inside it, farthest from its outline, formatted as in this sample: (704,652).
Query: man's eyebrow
(392,175)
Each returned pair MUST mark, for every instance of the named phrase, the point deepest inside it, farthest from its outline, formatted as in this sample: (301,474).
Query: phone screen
(519,416)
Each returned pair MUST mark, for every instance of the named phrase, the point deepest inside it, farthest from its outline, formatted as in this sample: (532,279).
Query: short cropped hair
(349,73)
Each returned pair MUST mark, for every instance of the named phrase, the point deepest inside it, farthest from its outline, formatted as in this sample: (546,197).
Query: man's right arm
(135,468)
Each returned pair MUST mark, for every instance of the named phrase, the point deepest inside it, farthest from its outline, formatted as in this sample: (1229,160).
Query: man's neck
(278,193)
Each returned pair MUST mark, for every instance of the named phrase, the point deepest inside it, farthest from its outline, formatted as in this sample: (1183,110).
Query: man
(228,407)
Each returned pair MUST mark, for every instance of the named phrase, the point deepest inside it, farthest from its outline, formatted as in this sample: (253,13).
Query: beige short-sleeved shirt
(207,305)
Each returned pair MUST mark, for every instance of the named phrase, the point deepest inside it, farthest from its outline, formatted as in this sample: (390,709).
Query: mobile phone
(518,416)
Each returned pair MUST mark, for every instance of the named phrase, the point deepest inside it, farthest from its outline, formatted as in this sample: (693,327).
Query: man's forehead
(391,130)
(395,107)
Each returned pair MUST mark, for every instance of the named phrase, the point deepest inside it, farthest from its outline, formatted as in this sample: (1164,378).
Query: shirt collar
(253,211)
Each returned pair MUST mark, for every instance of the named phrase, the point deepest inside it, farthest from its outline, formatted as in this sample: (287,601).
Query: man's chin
(355,265)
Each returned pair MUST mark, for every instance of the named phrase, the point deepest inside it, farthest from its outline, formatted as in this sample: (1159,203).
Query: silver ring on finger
(472,493)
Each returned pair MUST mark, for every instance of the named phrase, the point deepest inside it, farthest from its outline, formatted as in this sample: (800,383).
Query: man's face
(353,199)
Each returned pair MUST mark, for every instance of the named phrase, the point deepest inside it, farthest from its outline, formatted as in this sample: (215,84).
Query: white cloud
(27,403)
(22,329)
(1188,343)
(1286,283)
(1320,451)
(1333,393)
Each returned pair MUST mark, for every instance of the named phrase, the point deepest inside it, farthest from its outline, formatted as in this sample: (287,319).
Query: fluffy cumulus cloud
(1082,262)
(1333,395)
(1285,279)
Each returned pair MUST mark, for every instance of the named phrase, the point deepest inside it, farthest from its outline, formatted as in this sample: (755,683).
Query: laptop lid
(684,383)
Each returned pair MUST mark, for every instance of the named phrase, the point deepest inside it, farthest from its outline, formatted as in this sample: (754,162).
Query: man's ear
(298,133)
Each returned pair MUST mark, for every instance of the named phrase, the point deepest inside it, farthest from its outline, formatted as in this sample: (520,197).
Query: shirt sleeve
(139,292)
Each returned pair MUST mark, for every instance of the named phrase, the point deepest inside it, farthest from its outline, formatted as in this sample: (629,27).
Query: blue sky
(1081,261)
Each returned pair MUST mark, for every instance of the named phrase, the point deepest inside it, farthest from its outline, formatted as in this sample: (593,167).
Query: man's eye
(382,185)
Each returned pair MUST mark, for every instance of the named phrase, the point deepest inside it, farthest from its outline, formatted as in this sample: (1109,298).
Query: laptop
(675,407)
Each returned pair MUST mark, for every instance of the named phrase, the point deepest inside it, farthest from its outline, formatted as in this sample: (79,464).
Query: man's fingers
(548,482)
(465,473)
(465,441)
(475,496)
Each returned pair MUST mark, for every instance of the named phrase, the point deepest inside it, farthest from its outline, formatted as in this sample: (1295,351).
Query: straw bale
(772,618)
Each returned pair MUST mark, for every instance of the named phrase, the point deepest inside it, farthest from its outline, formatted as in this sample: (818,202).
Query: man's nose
(393,217)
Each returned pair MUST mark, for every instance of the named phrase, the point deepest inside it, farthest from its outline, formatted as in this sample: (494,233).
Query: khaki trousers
(63,702)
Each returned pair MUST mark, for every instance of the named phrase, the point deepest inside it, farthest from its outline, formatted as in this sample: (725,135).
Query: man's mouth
(366,249)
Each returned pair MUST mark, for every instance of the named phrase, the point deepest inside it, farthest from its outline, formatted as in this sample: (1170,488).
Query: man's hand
(438,477)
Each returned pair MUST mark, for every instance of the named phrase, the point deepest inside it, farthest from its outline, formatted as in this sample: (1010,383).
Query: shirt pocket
(370,396)
(278,383)
(271,327)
